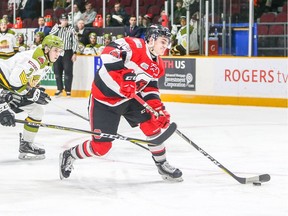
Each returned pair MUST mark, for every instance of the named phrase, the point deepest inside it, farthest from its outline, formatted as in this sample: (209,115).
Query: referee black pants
(64,64)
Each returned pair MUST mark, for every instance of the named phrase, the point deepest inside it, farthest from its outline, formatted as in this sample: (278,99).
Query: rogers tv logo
(254,76)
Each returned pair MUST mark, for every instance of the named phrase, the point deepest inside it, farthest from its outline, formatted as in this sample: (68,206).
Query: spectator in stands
(42,27)
(11,4)
(89,15)
(28,9)
(140,20)
(10,9)
(20,42)
(132,30)
(8,45)
(147,20)
(9,24)
(82,33)
(163,19)
(194,8)
(59,4)
(76,15)
(178,12)
(110,22)
(93,46)
(120,15)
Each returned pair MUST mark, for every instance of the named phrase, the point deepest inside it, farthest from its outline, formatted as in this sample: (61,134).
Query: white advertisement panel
(252,77)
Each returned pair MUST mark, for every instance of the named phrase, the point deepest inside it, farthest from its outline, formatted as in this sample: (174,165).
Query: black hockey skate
(169,172)
(29,151)
(66,161)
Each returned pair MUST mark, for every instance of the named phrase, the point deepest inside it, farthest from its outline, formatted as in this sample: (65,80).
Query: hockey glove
(163,119)
(5,96)
(7,117)
(128,85)
(16,101)
(38,96)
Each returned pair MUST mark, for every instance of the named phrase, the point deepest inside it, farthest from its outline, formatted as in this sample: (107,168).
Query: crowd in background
(81,15)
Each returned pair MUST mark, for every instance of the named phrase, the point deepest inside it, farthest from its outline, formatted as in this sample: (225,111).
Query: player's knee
(100,148)
(149,129)
(37,112)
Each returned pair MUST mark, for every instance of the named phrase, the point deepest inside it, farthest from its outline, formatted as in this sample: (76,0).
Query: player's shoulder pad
(39,56)
(135,42)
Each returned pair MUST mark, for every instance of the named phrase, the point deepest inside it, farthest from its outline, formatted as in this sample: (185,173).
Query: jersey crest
(155,71)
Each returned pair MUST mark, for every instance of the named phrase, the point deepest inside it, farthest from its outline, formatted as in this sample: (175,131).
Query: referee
(65,62)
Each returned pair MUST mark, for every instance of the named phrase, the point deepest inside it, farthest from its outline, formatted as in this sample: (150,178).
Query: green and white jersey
(182,36)
(24,70)
(7,44)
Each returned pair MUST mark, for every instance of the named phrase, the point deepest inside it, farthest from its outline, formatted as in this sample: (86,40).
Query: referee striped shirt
(68,35)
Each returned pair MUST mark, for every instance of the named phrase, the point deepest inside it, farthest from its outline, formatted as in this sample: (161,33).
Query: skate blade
(29,156)
(60,163)
(170,179)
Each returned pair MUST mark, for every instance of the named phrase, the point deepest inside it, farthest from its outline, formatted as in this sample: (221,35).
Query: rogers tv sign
(254,75)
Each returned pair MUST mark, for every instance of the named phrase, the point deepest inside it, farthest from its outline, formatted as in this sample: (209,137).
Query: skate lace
(166,166)
(33,146)
(69,164)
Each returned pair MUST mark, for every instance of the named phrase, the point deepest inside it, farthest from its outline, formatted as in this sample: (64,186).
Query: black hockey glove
(7,117)
(38,96)
(16,101)
(5,96)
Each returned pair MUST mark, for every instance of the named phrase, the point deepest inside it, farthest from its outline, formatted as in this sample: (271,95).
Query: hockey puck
(257,183)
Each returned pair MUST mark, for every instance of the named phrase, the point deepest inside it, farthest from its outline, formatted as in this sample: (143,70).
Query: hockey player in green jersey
(21,75)
(8,45)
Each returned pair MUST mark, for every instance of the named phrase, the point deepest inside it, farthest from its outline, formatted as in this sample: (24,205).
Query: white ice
(248,141)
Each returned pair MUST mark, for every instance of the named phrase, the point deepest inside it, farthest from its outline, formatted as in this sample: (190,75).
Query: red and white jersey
(127,53)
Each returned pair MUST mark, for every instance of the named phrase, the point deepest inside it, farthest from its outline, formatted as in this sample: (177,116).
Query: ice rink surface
(247,140)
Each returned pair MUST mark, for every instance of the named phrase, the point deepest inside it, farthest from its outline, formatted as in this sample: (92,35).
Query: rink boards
(209,80)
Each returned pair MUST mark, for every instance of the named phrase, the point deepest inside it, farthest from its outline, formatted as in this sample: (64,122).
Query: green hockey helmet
(107,36)
(53,41)
(92,35)
(40,34)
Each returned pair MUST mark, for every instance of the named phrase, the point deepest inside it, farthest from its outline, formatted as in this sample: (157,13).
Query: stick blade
(264,178)
(260,178)
(165,135)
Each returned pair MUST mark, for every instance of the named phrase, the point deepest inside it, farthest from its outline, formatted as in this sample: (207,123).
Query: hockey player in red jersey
(130,66)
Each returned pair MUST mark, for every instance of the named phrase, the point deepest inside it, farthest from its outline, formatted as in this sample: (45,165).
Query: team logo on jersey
(34,80)
(4,44)
(154,69)
(115,53)
(23,78)
(41,60)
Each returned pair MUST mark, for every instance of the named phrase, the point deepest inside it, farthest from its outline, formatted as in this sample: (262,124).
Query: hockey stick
(83,117)
(256,179)
(70,111)
(161,138)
